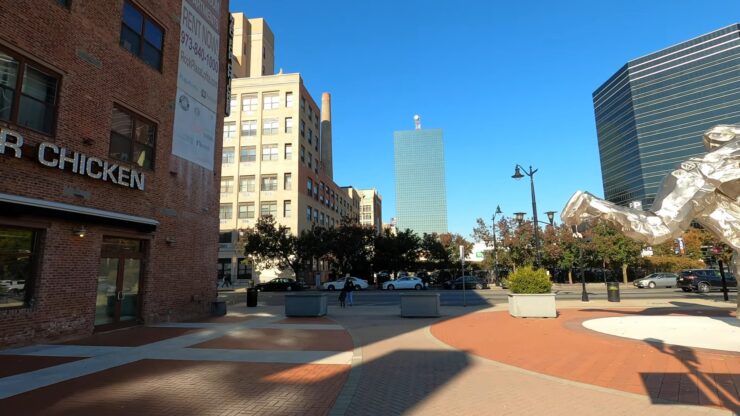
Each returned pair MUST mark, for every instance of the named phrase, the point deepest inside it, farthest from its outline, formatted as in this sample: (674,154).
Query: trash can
(251,297)
(612,291)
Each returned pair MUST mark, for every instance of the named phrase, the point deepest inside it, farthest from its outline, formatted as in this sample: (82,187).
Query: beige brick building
(277,151)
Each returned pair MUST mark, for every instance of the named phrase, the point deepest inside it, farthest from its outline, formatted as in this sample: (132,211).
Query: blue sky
(508,81)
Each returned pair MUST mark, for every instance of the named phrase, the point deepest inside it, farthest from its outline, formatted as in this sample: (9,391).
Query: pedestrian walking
(227,281)
(348,288)
(342,298)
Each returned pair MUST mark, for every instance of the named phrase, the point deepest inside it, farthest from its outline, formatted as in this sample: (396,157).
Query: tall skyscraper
(421,199)
(650,115)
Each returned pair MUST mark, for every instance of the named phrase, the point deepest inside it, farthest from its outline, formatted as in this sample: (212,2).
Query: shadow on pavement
(695,387)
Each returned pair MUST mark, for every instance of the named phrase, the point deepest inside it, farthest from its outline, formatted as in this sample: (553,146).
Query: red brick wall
(179,279)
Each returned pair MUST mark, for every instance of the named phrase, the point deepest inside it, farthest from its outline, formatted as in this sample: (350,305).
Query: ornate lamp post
(519,216)
(577,234)
(495,249)
(518,175)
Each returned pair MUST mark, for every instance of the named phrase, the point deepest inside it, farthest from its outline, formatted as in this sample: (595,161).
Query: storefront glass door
(119,280)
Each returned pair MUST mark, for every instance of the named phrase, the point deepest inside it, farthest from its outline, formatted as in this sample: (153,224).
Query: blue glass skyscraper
(421,199)
(651,114)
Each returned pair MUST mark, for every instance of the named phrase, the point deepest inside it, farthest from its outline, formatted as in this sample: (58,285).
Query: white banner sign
(194,131)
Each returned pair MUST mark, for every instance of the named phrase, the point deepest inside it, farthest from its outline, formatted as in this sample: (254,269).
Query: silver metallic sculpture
(704,189)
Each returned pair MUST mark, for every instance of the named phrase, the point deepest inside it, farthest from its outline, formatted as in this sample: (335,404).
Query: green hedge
(529,281)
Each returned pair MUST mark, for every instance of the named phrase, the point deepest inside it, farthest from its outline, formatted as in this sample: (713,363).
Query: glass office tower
(421,200)
(651,114)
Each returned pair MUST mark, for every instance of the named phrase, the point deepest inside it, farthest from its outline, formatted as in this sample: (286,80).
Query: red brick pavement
(283,339)
(132,337)
(319,320)
(11,365)
(188,388)
(563,348)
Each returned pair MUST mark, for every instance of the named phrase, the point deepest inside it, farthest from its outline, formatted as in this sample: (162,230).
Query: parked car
(339,284)
(279,284)
(471,282)
(13,286)
(704,280)
(406,282)
(657,280)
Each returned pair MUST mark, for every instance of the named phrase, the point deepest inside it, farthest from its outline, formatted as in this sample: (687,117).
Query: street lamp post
(495,249)
(519,216)
(579,236)
(518,175)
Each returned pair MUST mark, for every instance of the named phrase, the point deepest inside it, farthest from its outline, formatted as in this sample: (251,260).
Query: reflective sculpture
(703,189)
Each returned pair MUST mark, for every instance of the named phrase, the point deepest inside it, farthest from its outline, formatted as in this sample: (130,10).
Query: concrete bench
(305,304)
(420,305)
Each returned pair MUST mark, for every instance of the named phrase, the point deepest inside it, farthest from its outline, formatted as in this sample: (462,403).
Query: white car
(406,282)
(339,284)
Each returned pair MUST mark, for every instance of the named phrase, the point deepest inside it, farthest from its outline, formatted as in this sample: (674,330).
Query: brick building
(108,181)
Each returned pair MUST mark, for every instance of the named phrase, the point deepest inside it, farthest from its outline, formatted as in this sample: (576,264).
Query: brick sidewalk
(366,361)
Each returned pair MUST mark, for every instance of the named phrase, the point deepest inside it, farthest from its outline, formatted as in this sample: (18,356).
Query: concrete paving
(366,360)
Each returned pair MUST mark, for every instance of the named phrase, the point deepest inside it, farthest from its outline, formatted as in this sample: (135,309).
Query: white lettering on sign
(15,145)
(53,156)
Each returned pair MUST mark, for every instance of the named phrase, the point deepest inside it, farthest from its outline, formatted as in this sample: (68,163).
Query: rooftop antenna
(417,121)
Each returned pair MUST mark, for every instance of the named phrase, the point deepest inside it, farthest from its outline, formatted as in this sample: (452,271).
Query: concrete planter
(541,305)
(305,304)
(218,308)
(420,305)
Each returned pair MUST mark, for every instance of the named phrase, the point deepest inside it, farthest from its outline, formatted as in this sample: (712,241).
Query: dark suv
(703,280)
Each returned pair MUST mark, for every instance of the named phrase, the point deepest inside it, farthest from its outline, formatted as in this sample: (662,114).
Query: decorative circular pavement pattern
(717,333)
(564,348)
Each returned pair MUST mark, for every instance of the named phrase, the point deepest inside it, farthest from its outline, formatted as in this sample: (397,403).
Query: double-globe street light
(520,215)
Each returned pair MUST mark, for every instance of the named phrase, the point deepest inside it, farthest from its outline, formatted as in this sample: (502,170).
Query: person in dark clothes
(349,287)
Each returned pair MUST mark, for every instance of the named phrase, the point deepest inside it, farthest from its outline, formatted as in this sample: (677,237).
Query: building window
(303,103)
(287,181)
(28,94)
(246,183)
(225,238)
(229,130)
(310,158)
(269,183)
(227,156)
(310,113)
(310,136)
(308,214)
(248,154)
(18,251)
(289,124)
(309,186)
(316,215)
(246,210)
(249,103)
(227,185)
(269,152)
(288,151)
(289,99)
(132,138)
(271,101)
(303,128)
(233,103)
(316,121)
(269,126)
(64,3)
(268,208)
(316,165)
(225,211)
(141,36)
(287,208)
(249,128)
(303,154)
(321,218)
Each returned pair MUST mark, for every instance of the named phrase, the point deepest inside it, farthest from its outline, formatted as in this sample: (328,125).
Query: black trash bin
(251,297)
(612,291)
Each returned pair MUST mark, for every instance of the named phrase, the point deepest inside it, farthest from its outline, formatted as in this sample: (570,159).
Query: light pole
(518,175)
(519,216)
(495,249)
(579,236)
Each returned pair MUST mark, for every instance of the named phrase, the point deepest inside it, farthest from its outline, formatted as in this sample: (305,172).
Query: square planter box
(305,304)
(420,305)
(540,305)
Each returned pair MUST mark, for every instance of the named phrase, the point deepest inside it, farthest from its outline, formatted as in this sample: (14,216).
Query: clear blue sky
(508,81)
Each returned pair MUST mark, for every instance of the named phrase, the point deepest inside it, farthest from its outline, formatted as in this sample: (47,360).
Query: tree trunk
(570,276)
(624,273)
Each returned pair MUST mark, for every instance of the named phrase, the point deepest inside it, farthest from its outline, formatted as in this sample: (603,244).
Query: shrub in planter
(526,280)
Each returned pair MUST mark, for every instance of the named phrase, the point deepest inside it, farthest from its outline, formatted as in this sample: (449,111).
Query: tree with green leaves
(350,246)
(434,253)
(612,247)
(396,252)
(269,245)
